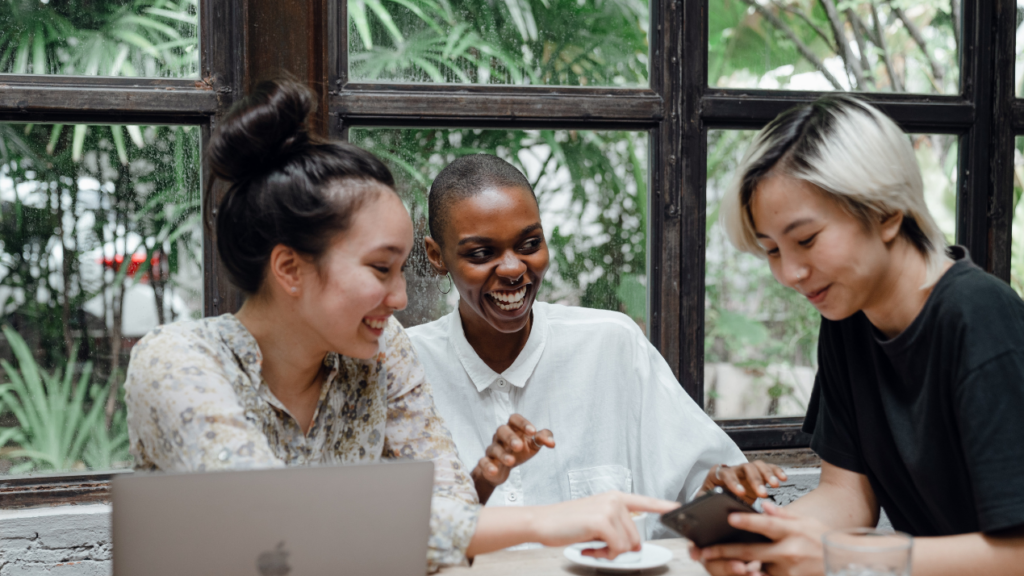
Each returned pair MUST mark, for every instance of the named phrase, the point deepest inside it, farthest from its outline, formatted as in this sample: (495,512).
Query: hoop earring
(437,282)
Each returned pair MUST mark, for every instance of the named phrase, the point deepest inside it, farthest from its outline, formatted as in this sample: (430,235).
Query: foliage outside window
(561,42)
(99,243)
(865,46)
(100,38)
(760,343)
(592,190)
(99,230)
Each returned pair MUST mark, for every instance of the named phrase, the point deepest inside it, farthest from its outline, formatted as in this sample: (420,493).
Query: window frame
(201,101)
(676,110)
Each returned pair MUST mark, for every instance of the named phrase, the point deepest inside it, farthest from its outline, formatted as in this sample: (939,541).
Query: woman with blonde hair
(920,386)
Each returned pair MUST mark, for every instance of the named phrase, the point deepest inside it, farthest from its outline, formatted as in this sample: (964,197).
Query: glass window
(592,190)
(1017,230)
(858,45)
(1019,46)
(100,241)
(760,338)
(153,38)
(553,42)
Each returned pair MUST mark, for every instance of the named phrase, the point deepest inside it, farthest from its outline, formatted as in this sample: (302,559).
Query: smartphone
(704,520)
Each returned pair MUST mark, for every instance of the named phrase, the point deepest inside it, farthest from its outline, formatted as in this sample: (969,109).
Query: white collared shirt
(620,418)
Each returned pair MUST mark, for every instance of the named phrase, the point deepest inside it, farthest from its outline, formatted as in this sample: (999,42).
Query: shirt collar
(519,372)
(241,342)
(245,348)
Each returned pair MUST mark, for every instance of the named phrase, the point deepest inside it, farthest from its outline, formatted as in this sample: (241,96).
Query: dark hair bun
(260,130)
(287,186)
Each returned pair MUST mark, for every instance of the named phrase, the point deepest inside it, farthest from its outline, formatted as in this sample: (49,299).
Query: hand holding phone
(705,520)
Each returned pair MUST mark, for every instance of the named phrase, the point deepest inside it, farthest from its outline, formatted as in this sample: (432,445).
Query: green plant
(88,213)
(109,38)
(60,420)
(575,42)
(863,45)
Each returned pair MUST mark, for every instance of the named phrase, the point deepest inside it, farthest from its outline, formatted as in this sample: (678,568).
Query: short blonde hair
(856,155)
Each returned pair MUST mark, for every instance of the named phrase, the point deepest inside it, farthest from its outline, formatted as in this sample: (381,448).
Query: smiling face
(494,249)
(359,283)
(819,249)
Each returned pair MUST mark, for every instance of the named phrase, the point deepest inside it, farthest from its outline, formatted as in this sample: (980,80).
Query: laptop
(351,520)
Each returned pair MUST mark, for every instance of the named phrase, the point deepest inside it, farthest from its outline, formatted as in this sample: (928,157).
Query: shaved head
(466,177)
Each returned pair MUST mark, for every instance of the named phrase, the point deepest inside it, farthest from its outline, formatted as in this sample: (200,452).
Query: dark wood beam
(496,106)
(686,157)
(32,491)
(977,69)
(1002,138)
(752,109)
(288,39)
(105,100)
(766,433)
(223,61)
(1017,115)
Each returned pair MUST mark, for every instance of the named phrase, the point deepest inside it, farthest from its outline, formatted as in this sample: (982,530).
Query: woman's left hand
(796,548)
(747,480)
(513,444)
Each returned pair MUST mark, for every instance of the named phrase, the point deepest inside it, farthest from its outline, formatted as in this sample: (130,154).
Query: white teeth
(515,306)
(509,300)
(375,324)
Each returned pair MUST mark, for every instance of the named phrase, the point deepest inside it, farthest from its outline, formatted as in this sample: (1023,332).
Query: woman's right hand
(605,517)
(747,480)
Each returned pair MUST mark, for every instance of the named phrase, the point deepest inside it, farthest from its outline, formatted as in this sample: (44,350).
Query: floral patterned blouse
(197,401)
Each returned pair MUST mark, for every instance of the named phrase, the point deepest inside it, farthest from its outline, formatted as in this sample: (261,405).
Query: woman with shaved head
(588,377)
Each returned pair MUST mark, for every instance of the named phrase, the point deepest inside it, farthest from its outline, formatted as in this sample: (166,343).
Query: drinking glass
(867,552)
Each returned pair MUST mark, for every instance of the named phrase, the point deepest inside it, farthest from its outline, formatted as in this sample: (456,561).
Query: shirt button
(502,383)
(512,497)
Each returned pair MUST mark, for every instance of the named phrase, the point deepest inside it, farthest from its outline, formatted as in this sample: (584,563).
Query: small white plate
(651,556)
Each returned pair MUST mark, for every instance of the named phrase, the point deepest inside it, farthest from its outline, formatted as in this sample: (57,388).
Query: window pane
(592,190)
(554,42)
(1020,48)
(153,38)
(860,45)
(100,241)
(760,343)
(1017,232)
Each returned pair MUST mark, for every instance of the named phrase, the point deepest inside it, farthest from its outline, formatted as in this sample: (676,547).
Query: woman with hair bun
(314,369)
(917,403)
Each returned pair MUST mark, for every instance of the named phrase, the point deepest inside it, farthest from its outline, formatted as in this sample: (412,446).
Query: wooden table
(550,562)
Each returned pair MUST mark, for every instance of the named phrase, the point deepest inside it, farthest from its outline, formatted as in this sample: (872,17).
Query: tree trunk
(157,281)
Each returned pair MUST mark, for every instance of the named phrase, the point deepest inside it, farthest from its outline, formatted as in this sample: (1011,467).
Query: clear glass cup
(867,552)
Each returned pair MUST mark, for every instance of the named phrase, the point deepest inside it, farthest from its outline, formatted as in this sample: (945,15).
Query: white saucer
(651,556)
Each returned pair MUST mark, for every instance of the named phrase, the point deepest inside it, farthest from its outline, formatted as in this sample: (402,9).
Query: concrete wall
(64,540)
(800,481)
(75,540)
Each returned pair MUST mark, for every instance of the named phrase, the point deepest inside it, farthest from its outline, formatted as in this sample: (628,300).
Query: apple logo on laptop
(274,562)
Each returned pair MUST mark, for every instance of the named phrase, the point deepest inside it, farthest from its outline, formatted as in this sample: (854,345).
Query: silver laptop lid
(352,520)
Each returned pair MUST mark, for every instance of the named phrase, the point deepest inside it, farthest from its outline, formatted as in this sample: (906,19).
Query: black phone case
(705,520)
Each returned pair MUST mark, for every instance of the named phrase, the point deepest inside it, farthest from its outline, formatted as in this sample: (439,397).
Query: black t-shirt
(934,417)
